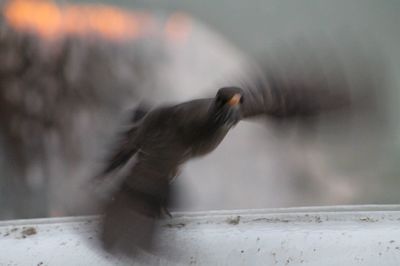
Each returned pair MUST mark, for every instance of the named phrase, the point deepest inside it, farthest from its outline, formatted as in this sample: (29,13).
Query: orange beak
(235,99)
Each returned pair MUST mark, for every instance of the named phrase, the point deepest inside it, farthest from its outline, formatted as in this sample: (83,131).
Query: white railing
(338,235)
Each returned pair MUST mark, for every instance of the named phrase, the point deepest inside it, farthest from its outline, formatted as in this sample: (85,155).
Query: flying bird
(162,139)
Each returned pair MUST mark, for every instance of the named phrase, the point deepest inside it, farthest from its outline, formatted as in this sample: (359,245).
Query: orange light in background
(51,21)
(43,17)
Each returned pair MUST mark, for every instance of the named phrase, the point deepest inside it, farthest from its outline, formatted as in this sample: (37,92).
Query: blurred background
(70,71)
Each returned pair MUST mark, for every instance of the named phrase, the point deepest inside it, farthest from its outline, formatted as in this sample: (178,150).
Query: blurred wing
(128,142)
(284,96)
(130,217)
(127,147)
(297,84)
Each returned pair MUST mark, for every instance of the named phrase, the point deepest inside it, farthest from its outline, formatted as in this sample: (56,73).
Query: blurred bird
(162,139)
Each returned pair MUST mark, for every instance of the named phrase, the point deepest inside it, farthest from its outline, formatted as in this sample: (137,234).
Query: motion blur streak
(52,21)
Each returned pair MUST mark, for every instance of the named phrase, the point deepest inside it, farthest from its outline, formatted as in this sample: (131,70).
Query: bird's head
(226,106)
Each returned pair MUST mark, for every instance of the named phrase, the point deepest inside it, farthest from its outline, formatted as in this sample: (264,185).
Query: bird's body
(170,127)
(166,137)
(168,134)
(161,141)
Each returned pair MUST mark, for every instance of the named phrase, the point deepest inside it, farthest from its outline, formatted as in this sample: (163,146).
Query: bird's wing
(299,84)
(131,215)
(126,148)
(283,96)
(128,142)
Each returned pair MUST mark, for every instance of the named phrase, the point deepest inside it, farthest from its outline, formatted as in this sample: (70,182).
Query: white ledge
(337,235)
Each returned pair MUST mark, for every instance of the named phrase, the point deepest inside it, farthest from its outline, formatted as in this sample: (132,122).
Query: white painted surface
(350,235)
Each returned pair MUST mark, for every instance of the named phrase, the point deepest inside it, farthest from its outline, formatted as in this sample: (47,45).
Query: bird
(162,139)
